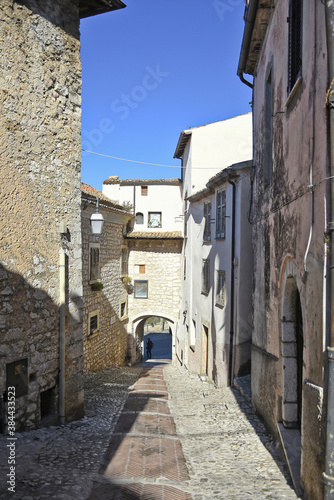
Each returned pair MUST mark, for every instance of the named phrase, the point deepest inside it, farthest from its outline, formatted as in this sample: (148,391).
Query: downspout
(250,16)
(230,368)
(328,475)
(62,269)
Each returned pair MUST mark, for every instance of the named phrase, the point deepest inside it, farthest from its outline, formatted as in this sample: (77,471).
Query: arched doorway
(161,333)
(292,349)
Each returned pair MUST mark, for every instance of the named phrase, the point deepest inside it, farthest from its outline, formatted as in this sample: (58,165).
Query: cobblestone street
(174,437)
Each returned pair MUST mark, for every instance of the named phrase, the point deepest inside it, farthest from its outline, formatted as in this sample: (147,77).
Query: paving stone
(174,437)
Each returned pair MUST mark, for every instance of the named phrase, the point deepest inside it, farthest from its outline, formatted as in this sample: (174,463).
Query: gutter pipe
(328,476)
(230,368)
(61,409)
(250,16)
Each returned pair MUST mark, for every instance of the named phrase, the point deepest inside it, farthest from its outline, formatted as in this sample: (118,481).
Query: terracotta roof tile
(155,235)
(86,189)
(113,179)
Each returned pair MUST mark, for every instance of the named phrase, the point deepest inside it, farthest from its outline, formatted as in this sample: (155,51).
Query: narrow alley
(151,432)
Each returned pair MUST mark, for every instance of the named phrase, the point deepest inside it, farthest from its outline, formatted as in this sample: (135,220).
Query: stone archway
(292,351)
(137,337)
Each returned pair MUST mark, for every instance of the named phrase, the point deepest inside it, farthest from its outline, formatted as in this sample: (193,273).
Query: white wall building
(156,203)
(207,149)
(154,251)
(216,291)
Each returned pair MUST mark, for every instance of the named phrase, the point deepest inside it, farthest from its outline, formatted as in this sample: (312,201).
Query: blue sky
(150,71)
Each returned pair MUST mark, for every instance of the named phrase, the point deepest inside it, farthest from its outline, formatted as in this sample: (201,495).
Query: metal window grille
(93,324)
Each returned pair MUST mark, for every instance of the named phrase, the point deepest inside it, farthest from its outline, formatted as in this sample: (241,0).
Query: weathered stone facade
(289,215)
(157,262)
(40,119)
(107,344)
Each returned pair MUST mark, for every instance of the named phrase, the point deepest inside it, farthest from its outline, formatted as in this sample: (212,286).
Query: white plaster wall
(216,146)
(162,198)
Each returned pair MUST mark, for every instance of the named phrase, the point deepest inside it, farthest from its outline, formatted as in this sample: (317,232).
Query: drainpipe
(249,17)
(61,409)
(230,369)
(328,475)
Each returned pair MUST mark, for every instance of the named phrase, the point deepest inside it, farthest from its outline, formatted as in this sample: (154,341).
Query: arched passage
(138,350)
(292,349)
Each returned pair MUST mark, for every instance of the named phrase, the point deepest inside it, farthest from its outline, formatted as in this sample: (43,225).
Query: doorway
(292,349)
(205,351)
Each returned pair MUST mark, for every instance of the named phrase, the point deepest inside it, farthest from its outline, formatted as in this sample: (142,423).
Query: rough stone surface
(40,188)
(108,346)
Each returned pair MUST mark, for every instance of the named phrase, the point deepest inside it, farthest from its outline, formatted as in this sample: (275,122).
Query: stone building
(285,50)
(214,329)
(105,289)
(40,121)
(155,246)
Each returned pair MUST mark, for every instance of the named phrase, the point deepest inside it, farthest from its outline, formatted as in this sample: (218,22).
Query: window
(221,214)
(141,289)
(295,43)
(140,268)
(207,221)
(144,190)
(124,261)
(205,276)
(220,295)
(185,268)
(139,218)
(94,262)
(123,311)
(154,219)
(93,322)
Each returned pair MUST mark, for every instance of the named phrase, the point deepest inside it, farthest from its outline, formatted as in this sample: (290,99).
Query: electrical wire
(152,164)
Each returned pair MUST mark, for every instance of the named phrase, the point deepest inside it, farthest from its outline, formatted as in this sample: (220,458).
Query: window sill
(206,242)
(293,91)
(192,348)
(205,293)
(93,335)
(221,306)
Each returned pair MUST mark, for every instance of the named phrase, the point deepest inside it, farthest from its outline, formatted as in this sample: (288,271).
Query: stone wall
(40,120)
(162,261)
(108,345)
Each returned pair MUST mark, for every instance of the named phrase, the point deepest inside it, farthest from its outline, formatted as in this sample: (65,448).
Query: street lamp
(96,220)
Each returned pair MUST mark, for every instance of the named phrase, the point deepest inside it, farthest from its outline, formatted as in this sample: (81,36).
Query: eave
(182,143)
(88,8)
(257,15)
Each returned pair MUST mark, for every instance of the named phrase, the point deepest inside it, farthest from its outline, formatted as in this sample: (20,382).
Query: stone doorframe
(136,338)
(292,353)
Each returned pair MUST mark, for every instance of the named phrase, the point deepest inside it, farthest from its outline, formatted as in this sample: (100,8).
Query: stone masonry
(40,120)
(157,261)
(108,345)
